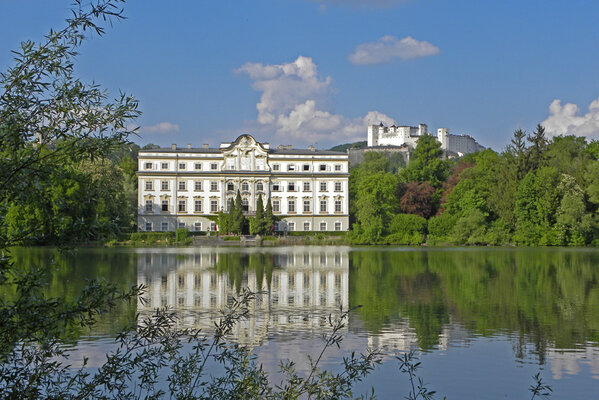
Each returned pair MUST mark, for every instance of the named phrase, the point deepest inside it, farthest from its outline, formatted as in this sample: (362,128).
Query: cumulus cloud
(295,104)
(565,120)
(364,3)
(388,48)
(161,128)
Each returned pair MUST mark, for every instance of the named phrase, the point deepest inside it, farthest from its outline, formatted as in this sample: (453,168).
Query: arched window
(245,187)
(230,186)
(259,187)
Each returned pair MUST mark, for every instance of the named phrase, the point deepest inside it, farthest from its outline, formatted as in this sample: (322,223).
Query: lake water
(483,321)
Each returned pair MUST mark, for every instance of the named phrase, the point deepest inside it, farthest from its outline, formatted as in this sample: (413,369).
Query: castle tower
(443,137)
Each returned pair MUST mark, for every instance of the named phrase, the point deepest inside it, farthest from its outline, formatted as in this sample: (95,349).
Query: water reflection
(296,287)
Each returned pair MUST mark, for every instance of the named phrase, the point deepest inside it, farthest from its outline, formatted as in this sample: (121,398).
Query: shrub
(181,234)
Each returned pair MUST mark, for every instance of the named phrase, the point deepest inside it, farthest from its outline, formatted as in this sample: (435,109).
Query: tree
(269,218)
(535,154)
(376,203)
(51,123)
(418,199)
(258,223)
(517,153)
(426,164)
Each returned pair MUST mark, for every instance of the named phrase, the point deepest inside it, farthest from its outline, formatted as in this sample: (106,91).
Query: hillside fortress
(382,136)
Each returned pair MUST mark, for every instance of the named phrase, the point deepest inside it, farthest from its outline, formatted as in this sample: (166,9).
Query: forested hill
(345,146)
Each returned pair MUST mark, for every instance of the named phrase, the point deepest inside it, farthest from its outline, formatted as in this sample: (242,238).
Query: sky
(317,72)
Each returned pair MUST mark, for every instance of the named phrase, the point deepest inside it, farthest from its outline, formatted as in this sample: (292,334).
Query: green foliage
(181,234)
(426,164)
(345,146)
(407,229)
(440,228)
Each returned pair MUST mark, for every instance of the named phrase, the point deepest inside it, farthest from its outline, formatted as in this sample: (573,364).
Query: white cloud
(565,120)
(161,128)
(363,3)
(295,104)
(388,48)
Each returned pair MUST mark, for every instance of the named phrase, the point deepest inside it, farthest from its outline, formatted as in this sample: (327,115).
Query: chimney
(174,146)
(189,145)
(205,146)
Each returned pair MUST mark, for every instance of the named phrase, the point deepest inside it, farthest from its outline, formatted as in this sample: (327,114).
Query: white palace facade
(187,187)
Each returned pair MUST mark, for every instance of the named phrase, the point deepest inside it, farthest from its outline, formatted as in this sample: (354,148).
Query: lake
(483,320)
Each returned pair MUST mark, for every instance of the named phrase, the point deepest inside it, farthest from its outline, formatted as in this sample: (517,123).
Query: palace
(187,187)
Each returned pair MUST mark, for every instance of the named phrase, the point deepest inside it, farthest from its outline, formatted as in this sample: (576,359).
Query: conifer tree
(258,225)
(269,218)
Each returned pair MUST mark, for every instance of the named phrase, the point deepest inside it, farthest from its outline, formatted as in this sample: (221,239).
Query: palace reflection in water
(296,287)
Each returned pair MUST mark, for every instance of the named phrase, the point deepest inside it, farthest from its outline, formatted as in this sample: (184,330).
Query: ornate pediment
(244,154)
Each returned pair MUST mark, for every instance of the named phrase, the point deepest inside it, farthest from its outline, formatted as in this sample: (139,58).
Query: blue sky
(317,72)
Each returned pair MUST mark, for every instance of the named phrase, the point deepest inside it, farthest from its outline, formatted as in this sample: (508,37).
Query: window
(323,186)
(276,167)
(198,165)
(164,185)
(182,205)
(291,206)
(323,206)
(306,186)
(182,185)
(292,226)
(290,167)
(291,187)
(276,207)
(337,228)
(213,206)
(306,167)
(164,205)
(245,205)
(323,226)
(306,226)
(322,167)
(337,167)
(197,227)
(337,205)
(164,165)
(148,165)
(149,185)
(198,206)
(214,186)
(230,186)
(259,186)
(148,205)
(275,186)
(181,224)
(306,205)
(337,186)
(149,226)
(214,166)
(212,228)
(164,226)
(245,187)
(181,165)
(197,185)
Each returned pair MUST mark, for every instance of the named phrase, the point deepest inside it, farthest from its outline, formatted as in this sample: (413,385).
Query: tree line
(537,191)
